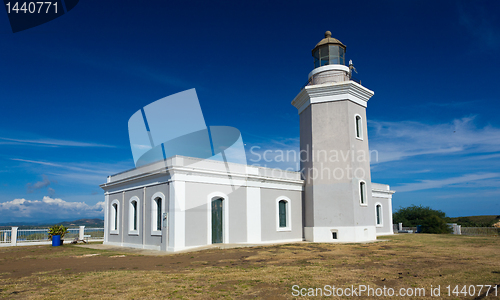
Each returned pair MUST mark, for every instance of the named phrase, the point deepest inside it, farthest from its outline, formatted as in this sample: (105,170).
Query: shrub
(58,230)
(435,224)
(432,221)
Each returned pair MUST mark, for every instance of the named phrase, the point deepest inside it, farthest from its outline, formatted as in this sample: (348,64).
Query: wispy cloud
(89,173)
(474,195)
(439,183)
(52,143)
(399,140)
(22,209)
(93,168)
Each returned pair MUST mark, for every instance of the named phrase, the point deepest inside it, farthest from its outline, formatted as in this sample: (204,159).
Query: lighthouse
(335,158)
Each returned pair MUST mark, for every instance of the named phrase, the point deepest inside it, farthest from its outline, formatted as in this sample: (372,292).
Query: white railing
(72,234)
(330,77)
(5,236)
(32,235)
(23,237)
(95,233)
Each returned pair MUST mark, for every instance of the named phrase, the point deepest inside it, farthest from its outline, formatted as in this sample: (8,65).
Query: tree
(432,221)
(435,224)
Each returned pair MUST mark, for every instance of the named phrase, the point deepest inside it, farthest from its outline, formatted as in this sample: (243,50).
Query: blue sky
(68,88)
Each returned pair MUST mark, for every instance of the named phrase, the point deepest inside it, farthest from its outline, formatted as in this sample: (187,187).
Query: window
(157,210)
(133,216)
(323,52)
(362,193)
(158,213)
(328,54)
(282,213)
(134,207)
(115,213)
(283,220)
(316,58)
(378,211)
(114,217)
(359,127)
(333,52)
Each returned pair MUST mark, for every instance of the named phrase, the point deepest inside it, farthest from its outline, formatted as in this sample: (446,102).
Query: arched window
(115,214)
(362,193)
(378,210)
(359,127)
(114,217)
(133,217)
(283,216)
(282,213)
(157,211)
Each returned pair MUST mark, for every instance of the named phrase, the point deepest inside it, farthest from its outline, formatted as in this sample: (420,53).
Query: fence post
(400,226)
(81,233)
(459,229)
(13,236)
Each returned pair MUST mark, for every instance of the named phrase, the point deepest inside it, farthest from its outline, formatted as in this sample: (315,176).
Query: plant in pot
(59,230)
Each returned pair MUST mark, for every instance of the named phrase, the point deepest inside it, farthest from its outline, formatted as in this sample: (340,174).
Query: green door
(217,221)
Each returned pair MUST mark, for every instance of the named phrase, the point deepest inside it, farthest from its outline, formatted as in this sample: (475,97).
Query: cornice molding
(330,92)
(183,173)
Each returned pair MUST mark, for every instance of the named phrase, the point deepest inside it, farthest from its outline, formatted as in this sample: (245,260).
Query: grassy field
(401,261)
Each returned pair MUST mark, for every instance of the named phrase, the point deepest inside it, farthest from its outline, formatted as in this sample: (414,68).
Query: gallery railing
(330,78)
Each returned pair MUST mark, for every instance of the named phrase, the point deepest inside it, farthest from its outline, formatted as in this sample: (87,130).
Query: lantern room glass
(329,55)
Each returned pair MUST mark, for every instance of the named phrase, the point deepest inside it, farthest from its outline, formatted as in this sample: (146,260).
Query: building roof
(329,40)
(206,167)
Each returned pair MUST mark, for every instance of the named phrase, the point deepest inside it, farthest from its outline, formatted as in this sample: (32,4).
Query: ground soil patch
(402,261)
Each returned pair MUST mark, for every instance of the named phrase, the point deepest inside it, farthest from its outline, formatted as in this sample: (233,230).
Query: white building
(183,202)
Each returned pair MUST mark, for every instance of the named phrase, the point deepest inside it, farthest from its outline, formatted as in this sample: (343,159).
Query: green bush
(432,221)
(58,230)
(435,224)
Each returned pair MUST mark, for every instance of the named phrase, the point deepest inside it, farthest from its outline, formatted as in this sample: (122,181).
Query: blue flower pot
(56,240)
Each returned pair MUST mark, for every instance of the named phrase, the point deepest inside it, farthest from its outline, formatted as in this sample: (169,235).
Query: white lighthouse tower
(338,204)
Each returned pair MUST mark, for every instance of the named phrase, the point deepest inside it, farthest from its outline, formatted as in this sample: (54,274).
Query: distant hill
(71,224)
(85,222)
(475,221)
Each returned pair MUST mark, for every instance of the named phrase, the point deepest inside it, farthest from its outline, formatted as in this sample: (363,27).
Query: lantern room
(329,51)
